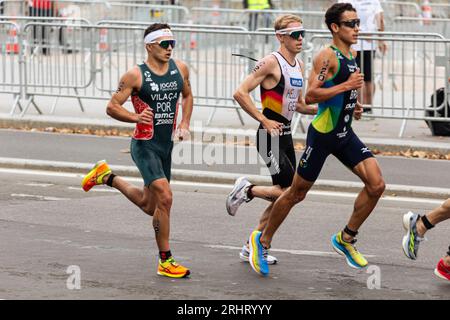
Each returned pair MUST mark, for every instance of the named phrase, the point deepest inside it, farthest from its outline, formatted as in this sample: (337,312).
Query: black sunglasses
(351,23)
(166,43)
(297,34)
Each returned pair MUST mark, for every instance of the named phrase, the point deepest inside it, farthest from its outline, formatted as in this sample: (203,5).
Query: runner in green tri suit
(155,87)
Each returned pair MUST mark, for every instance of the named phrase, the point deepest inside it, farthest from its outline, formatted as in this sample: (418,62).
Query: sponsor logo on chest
(297,82)
(164,86)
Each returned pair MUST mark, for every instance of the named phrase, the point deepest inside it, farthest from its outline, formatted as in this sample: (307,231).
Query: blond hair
(282,21)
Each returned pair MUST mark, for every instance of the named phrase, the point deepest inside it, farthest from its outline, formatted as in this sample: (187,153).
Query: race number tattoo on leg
(156,226)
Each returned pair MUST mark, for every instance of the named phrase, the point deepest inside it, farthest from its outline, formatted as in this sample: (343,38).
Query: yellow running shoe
(96,175)
(348,250)
(171,269)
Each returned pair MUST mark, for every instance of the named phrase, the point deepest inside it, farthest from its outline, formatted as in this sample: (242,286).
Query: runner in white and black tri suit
(280,77)
(333,83)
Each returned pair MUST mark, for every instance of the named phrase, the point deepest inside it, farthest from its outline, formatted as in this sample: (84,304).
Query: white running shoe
(245,253)
(238,195)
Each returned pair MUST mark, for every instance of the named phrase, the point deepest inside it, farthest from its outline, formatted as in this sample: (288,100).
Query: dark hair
(156,26)
(333,14)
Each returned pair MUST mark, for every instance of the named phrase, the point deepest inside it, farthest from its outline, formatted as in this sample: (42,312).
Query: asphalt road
(48,224)
(90,149)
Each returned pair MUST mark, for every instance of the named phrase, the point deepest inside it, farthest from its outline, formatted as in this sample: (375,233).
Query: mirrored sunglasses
(297,34)
(166,43)
(351,23)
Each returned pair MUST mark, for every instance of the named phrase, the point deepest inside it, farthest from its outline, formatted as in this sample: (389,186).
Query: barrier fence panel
(172,25)
(435,25)
(148,12)
(124,48)
(305,5)
(10,66)
(316,5)
(56,66)
(15,8)
(401,8)
(253,19)
(89,9)
(22,20)
(155,2)
(95,10)
(440,10)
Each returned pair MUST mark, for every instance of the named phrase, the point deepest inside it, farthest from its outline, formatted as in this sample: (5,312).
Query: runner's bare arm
(188,99)
(324,66)
(115,109)
(302,107)
(263,69)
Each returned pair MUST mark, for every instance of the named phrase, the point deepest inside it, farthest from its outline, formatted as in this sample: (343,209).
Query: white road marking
(202,184)
(221,186)
(41,173)
(43,185)
(317,193)
(38,197)
(95,190)
(386,198)
(296,252)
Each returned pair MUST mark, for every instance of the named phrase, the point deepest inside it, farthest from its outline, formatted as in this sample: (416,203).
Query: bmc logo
(296,82)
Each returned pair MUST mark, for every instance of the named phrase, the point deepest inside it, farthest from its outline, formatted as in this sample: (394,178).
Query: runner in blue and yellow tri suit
(333,84)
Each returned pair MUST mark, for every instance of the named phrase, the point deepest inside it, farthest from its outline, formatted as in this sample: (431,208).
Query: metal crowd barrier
(95,10)
(90,67)
(156,2)
(305,5)
(147,12)
(11,73)
(435,25)
(15,8)
(253,19)
(440,10)
(88,9)
(401,8)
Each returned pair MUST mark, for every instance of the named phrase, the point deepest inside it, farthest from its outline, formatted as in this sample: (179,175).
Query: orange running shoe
(96,175)
(171,269)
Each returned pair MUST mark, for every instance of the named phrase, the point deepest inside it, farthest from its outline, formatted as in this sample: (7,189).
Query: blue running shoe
(348,250)
(258,254)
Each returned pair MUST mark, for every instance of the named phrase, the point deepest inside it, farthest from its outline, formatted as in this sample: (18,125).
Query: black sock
(164,255)
(111,177)
(350,232)
(250,195)
(427,223)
